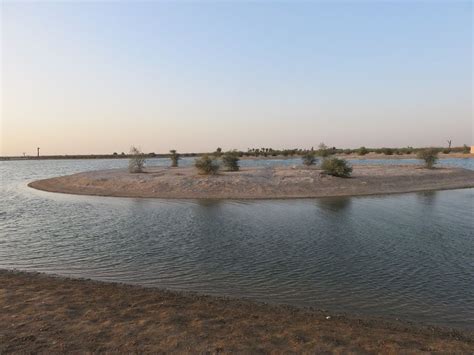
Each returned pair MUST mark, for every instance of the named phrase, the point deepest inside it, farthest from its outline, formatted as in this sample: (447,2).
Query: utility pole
(38,152)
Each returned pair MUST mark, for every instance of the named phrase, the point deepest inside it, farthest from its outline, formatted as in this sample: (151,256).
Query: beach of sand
(41,313)
(258,183)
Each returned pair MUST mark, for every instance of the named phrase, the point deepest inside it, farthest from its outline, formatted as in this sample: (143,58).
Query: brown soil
(40,313)
(258,183)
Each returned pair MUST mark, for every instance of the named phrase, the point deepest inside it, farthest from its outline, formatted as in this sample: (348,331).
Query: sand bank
(45,314)
(257,183)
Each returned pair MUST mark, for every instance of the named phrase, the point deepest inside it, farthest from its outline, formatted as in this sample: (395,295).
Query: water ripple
(406,256)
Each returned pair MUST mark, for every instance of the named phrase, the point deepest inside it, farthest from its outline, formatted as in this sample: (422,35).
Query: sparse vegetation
(387,151)
(429,156)
(336,167)
(218,152)
(231,160)
(206,165)
(136,161)
(309,158)
(466,149)
(174,156)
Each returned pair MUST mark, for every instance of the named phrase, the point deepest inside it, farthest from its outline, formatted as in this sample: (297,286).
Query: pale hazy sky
(91,77)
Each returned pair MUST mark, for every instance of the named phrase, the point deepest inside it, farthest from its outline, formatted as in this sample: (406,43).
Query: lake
(408,256)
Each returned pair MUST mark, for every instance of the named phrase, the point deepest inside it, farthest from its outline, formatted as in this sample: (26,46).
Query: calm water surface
(407,256)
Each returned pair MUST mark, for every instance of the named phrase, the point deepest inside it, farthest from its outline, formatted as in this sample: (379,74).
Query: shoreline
(41,312)
(368,156)
(258,183)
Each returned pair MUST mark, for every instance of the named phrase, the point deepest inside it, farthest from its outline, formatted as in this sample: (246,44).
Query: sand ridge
(257,183)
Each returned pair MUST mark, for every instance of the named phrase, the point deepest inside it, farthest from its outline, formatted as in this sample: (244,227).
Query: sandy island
(258,183)
(45,314)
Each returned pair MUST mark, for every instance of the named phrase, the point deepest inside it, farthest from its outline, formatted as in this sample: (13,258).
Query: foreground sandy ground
(258,183)
(40,313)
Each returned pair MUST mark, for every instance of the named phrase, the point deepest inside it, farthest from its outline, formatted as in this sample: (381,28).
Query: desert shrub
(323,150)
(174,156)
(466,149)
(136,161)
(387,151)
(446,150)
(362,151)
(309,158)
(336,167)
(206,165)
(218,152)
(429,156)
(347,151)
(231,160)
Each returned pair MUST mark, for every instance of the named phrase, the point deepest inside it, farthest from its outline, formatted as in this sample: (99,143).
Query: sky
(84,77)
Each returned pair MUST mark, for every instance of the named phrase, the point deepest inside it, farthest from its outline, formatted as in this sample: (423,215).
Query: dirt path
(40,313)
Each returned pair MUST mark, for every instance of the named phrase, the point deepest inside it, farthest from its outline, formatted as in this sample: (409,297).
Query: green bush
(231,161)
(136,161)
(309,158)
(466,149)
(336,167)
(387,151)
(206,165)
(174,156)
(446,150)
(429,156)
(362,151)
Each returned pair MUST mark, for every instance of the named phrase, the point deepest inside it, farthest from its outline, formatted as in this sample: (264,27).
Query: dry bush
(137,160)
(206,165)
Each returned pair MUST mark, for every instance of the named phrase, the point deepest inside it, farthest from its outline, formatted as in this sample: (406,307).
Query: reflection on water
(405,256)
(427,197)
(334,204)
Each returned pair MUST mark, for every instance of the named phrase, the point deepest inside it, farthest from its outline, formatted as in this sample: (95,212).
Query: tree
(336,167)
(174,156)
(309,158)
(449,143)
(218,152)
(231,160)
(206,165)
(429,156)
(465,149)
(137,160)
